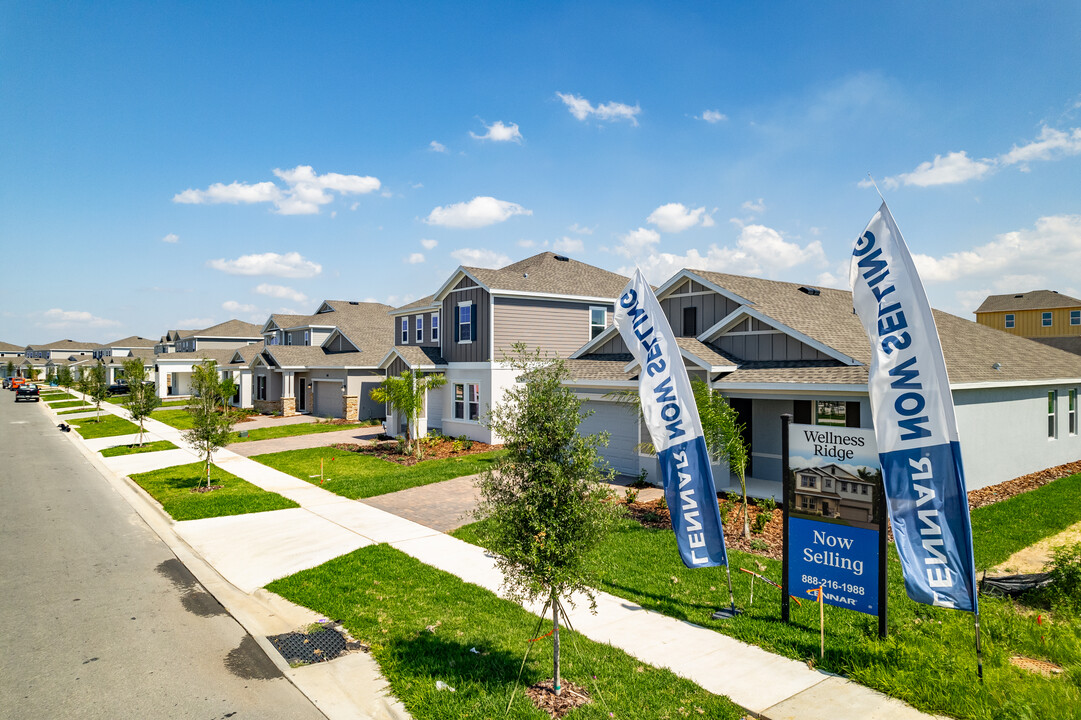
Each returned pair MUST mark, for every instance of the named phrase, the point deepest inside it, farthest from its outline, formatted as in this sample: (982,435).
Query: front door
(302,395)
(742,406)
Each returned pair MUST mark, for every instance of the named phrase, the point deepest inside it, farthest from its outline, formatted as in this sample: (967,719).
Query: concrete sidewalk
(251,550)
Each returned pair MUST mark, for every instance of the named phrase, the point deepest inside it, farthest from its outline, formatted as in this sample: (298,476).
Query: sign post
(834,518)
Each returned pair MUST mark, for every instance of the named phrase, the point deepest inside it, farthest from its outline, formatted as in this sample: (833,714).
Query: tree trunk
(555,644)
(746,520)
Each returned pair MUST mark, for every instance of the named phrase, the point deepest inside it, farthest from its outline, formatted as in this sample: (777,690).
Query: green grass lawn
(388,599)
(280,431)
(928,658)
(65,404)
(135,449)
(176,417)
(354,475)
(998,533)
(173,403)
(52,397)
(172,488)
(107,426)
(117,399)
(81,409)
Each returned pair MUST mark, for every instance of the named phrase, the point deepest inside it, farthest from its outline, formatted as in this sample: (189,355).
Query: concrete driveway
(300,442)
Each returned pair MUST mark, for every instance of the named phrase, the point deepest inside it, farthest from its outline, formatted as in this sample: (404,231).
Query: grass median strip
(928,658)
(425,625)
(356,475)
(107,426)
(64,404)
(173,486)
(52,397)
(280,431)
(155,446)
(82,409)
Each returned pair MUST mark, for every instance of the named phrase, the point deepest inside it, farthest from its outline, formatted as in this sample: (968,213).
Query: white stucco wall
(1003,432)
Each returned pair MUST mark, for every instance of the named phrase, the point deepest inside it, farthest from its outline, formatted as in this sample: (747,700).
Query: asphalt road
(98,619)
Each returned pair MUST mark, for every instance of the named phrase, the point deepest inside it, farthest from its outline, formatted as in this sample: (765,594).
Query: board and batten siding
(753,340)
(477,350)
(397,367)
(712,307)
(339,344)
(1029,323)
(412,320)
(554,327)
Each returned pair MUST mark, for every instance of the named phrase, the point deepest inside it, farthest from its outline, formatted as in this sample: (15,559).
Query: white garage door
(327,397)
(621,423)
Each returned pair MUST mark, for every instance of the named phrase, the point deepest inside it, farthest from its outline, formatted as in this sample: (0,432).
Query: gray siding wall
(427,337)
(478,350)
(712,308)
(397,367)
(340,344)
(615,346)
(771,346)
(555,327)
(220,344)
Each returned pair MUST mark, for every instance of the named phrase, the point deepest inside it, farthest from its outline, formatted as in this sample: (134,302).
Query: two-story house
(179,351)
(465,329)
(1045,316)
(834,492)
(325,364)
(773,347)
(13,354)
(114,354)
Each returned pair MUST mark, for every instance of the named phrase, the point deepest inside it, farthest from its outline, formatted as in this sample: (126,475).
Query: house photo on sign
(834,515)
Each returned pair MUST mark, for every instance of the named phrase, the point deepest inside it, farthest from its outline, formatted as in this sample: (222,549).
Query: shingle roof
(222,357)
(229,328)
(314,356)
(704,352)
(1069,344)
(370,329)
(8,347)
(289,321)
(132,341)
(807,373)
(552,274)
(420,356)
(1033,300)
(65,345)
(601,367)
(248,352)
(424,302)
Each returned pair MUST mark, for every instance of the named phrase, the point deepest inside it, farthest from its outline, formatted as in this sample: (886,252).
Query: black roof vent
(562,258)
(810,290)
(1018,296)
(354,302)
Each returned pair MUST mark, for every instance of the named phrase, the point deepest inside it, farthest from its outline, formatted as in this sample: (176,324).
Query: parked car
(27,391)
(117,388)
(7,383)
(16,382)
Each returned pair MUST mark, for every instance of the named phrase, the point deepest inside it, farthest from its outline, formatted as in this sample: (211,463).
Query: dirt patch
(206,488)
(653,514)
(1005,490)
(433,449)
(1034,558)
(570,696)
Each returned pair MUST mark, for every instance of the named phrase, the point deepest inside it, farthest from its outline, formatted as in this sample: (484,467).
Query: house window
(420,328)
(808,481)
(1072,412)
(260,387)
(1052,406)
(435,327)
(1009,320)
(467,401)
(1075,317)
(308,337)
(690,321)
(864,489)
(828,484)
(1046,319)
(465,322)
(598,319)
(405,330)
(808,503)
(829,412)
(288,338)
(844,486)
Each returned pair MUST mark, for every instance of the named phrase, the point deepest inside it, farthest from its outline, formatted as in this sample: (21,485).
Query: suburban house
(114,354)
(238,368)
(1045,316)
(833,492)
(775,347)
(59,349)
(180,351)
(9,353)
(324,364)
(465,329)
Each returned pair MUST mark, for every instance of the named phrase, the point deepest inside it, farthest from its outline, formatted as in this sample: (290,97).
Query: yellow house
(1036,314)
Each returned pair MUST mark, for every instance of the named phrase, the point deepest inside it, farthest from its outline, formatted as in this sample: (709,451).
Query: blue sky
(175,165)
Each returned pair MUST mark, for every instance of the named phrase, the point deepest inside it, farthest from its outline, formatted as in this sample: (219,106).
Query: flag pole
(979,650)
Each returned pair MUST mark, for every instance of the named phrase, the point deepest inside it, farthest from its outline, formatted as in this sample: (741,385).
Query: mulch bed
(433,450)
(571,696)
(651,514)
(206,489)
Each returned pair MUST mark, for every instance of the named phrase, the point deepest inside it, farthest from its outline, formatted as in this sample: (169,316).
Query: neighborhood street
(98,618)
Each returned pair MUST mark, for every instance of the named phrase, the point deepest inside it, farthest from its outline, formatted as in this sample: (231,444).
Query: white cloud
(582,109)
(429,244)
(477,213)
(476,257)
(760,250)
(57,318)
(281,292)
(756,206)
(1050,144)
(526,243)
(568,245)
(415,258)
(498,132)
(637,241)
(233,307)
(171,238)
(438,147)
(303,194)
(956,167)
(288,265)
(676,217)
(1054,244)
(711,116)
(576,228)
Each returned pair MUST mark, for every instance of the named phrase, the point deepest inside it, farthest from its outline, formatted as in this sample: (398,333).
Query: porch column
(288,383)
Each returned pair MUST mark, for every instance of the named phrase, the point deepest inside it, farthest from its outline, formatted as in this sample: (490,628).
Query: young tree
(64,376)
(9,369)
(142,396)
(724,436)
(406,394)
(209,410)
(544,502)
(33,373)
(96,387)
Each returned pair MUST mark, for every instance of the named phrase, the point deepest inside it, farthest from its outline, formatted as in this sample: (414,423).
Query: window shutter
(852,414)
(457,325)
(801,412)
(473,325)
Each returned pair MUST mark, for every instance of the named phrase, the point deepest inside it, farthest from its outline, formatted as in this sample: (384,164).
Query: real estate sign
(834,517)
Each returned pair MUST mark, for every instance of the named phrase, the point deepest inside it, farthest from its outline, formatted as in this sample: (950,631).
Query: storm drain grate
(319,643)
(1036,666)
